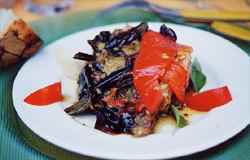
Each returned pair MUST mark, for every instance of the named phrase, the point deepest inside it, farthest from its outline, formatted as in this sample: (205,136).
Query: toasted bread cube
(17,40)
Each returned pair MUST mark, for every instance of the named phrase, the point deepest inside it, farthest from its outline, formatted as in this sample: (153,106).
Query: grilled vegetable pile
(134,76)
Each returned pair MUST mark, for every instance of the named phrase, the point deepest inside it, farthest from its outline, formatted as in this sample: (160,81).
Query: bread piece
(17,40)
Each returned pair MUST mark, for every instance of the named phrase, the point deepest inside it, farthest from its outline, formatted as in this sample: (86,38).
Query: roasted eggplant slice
(84,85)
(84,56)
(111,80)
(114,120)
(168,32)
(79,107)
(124,38)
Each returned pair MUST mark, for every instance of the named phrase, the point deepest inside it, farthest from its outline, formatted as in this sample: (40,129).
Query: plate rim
(190,151)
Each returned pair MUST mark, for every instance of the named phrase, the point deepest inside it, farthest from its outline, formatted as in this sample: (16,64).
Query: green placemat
(16,138)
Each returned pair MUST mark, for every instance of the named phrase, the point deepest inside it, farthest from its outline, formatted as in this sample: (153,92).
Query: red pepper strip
(207,100)
(111,101)
(155,62)
(176,78)
(154,40)
(155,55)
(151,98)
(116,102)
(46,95)
(145,77)
(153,49)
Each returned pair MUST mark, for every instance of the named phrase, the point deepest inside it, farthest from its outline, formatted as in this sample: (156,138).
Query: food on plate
(17,40)
(45,96)
(207,100)
(135,76)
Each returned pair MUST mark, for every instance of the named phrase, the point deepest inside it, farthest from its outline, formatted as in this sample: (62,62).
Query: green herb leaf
(180,120)
(198,78)
(129,94)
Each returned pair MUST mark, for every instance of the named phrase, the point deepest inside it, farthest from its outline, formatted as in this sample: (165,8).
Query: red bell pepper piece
(110,100)
(155,55)
(176,78)
(155,63)
(156,42)
(46,95)
(151,98)
(207,100)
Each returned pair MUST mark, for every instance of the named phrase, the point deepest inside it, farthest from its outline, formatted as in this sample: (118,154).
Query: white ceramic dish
(223,63)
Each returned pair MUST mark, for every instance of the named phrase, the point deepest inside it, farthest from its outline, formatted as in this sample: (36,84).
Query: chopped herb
(129,94)
(180,120)
(198,78)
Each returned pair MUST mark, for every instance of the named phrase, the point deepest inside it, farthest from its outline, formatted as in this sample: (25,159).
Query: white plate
(223,63)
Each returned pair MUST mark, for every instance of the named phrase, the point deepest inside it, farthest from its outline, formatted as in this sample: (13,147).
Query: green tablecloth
(16,138)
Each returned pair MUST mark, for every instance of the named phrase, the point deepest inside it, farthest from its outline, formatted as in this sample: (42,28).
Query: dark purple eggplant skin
(127,121)
(168,32)
(114,43)
(84,56)
(93,44)
(130,61)
(112,79)
(103,36)
(124,38)
(84,85)
(114,120)
(95,89)
(125,82)
(108,119)
(82,106)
